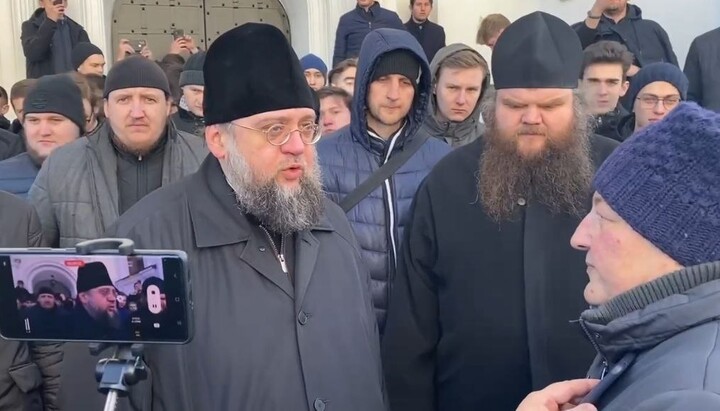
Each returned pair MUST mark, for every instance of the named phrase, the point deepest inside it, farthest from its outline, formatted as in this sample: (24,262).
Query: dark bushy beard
(559,177)
(279,209)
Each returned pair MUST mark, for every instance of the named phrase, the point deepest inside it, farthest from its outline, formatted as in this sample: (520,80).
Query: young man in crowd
(53,115)
(388,110)
(343,75)
(4,108)
(460,77)
(431,36)
(315,71)
(655,90)
(334,109)
(354,25)
(190,118)
(87,58)
(603,81)
(491,27)
(48,39)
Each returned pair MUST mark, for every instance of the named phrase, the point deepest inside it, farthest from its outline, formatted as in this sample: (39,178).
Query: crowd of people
(413,229)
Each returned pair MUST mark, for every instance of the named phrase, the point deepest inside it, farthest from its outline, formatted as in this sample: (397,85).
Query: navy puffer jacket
(351,155)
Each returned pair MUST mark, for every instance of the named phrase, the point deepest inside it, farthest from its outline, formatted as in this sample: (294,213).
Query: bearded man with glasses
(655,91)
(282,302)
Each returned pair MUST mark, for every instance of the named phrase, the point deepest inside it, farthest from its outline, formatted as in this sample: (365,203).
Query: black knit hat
(399,61)
(252,69)
(192,73)
(537,51)
(136,71)
(57,94)
(92,275)
(659,71)
(82,51)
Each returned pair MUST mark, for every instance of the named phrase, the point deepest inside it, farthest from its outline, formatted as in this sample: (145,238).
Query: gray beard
(559,178)
(280,210)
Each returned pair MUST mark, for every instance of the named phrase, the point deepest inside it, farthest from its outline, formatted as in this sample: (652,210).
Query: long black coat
(261,342)
(480,312)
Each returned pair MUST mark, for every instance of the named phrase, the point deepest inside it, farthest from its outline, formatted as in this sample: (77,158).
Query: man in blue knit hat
(315,71)
(652,243)
(654,91)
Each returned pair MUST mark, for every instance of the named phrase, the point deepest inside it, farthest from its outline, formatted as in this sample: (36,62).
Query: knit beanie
(312,61)
(57,94)
(192,73)
(136,71)
(658,72)
(663,181)
(398,61)
(81,52)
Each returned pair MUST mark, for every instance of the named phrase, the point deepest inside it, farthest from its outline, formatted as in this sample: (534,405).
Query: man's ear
(216,140)
(624,89)
(4,109)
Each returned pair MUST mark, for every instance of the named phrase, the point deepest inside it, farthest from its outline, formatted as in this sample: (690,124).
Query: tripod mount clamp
(126,367)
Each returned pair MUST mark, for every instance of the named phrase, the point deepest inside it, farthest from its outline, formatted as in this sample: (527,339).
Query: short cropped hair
(490,26)
(341,67)
(607,52)
(335,92)
(21,88)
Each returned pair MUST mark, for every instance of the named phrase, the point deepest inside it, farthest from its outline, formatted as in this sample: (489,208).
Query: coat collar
(216,219)
(655,311)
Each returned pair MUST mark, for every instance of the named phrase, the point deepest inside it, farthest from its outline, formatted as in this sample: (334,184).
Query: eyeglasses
(279,134)
(650,101)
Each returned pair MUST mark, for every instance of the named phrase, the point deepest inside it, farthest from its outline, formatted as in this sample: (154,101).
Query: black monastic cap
(537,51)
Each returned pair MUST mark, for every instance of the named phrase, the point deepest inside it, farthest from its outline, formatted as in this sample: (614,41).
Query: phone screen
(109,298)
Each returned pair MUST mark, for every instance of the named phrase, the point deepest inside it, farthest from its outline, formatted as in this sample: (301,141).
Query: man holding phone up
(282,301)
(48,39)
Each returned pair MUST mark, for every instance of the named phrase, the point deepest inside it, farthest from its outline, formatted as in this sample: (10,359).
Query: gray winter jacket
(668,331)
(29,373)
(455,134)
(76,191)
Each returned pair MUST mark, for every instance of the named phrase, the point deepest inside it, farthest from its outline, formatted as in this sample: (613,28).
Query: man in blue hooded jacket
(392,92)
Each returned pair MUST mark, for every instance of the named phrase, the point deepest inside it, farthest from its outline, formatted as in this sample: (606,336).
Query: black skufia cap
(537,51)
(92,275)
(252,69)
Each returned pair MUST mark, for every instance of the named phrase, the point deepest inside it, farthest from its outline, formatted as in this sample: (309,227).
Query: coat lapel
(260,257)
(307,248)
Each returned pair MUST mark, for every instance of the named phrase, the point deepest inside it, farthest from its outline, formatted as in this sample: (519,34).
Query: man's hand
(177,46)
(55,12)
(632,70)
(600,6)
(560,396)
(146,52)
(190,45)
(124,48)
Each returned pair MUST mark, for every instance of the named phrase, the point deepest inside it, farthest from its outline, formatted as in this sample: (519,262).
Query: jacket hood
(653,312)
(376,44)
(471,127)
(634,12)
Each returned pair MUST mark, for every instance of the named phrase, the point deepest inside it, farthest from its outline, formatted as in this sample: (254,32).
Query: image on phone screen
(93,298)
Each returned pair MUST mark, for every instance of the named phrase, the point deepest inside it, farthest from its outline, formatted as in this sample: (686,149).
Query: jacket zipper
(279,255)
(597,349)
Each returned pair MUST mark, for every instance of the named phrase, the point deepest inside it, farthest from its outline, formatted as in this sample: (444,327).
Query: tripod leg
(111,402)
